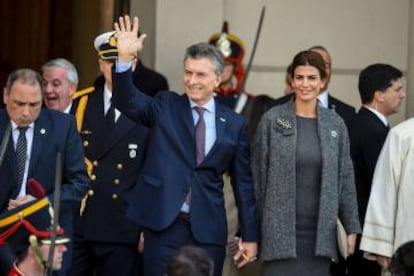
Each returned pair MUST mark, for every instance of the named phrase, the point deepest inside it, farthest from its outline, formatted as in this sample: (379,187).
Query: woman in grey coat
(304,178)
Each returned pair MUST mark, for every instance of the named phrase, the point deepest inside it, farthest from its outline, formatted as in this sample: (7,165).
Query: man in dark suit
(344,110)
(381,94)
(60,82)
(106,243)
(37,135)
(179,196)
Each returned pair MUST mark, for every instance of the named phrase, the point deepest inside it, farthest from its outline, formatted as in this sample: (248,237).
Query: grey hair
(206,50)
(71,72)
(26,76)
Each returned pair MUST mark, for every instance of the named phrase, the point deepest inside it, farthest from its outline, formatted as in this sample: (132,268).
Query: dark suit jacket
(170,165)
(53,132)
(117,158)
(344,110)
(367,135)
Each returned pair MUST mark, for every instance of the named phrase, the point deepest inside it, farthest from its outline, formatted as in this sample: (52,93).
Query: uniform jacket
(273,166)
(170,165)
(116,158)
(388,222)
(367,135)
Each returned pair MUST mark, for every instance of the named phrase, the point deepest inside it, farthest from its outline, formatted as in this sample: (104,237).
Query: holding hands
(247,253)
(128,42)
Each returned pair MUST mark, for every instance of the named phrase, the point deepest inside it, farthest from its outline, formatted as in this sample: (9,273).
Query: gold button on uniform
(90,192)
(114,196)
(93,177)
(117,181)
(85,143)
(119,166)
(95,163)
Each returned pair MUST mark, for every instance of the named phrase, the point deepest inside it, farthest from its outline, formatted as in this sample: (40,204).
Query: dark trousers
(338,268)
(359,266)
(160,246)
(104,259)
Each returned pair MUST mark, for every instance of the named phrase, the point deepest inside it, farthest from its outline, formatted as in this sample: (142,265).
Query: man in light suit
(179,196)
(47,133)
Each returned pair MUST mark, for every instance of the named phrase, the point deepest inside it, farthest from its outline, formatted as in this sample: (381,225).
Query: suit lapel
(184,128)
(122,126)
(9,155)
(41,133)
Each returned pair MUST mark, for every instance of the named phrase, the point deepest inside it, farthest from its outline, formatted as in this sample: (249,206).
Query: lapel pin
(334,133)
(222,119)
(42,131)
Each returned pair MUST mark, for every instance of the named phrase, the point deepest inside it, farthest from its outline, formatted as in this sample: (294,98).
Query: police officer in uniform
(106,243)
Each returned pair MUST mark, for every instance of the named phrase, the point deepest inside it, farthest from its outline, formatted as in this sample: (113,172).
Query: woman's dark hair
(310,58)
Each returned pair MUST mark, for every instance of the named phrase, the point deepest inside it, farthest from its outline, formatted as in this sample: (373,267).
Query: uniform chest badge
(132,150)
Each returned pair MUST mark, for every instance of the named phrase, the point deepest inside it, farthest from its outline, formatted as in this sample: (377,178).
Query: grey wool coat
(274,172)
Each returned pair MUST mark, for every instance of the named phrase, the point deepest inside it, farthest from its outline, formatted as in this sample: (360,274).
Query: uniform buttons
(117,181)
(114,196)
(119,166)
(90,192)
(95,163)
(85,143)
(93,177)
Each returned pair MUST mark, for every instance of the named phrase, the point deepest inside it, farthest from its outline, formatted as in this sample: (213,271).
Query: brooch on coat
(284,125)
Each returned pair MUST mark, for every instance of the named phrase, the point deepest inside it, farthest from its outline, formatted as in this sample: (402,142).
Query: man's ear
(379,96)
(218,80)
(73,88)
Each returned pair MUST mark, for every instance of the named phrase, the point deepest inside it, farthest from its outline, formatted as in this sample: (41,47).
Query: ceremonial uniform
(28,227)
(105,241)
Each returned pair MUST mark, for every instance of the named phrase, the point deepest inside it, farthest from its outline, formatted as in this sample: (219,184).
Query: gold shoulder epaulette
(83,92)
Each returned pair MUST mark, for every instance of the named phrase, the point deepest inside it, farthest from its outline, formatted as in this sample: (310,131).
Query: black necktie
(110,118)
(21,154)
(200,133)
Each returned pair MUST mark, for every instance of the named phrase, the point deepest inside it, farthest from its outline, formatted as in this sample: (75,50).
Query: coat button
(90,192)
(85,143)
(114,196)
(95,163)
(117,181)
(119,166)
(93,177)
